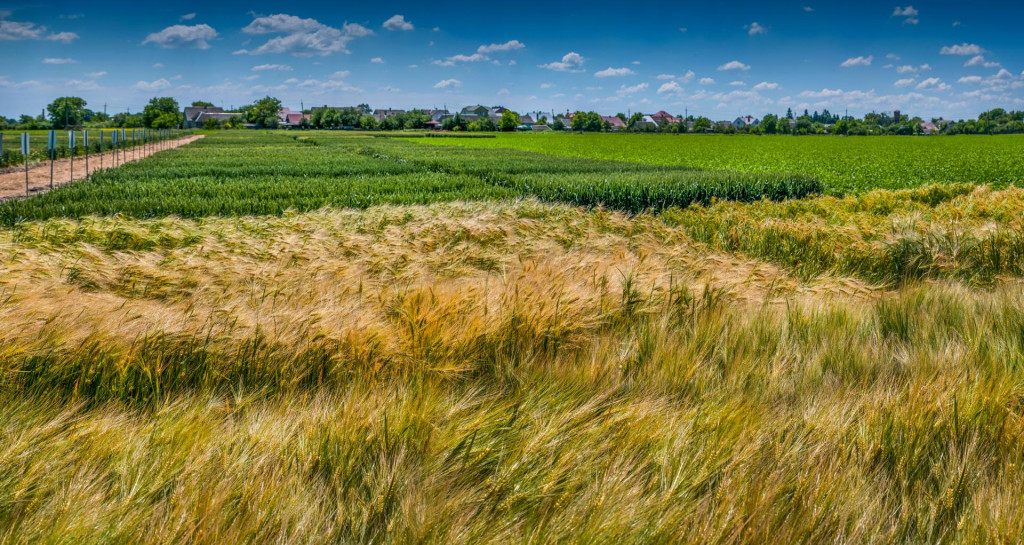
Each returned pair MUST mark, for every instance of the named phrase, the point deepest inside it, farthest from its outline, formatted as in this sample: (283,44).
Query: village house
(663,117)
(287,118)
(381,115)
(195,116)
(614,122)
(476,109)
(746,121)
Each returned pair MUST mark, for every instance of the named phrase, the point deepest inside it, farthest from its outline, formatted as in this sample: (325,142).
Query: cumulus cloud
(446,83)
(738,83)
(962,49)
(327,86)
(932,83)
(13,30)
(909,13)
(60,61)
(95,75)
(824,93)
(571,62)
(706,81)
(157,85)
(969,79)
(734,65)
(188,17)
(905,82)
(510,45)
(670,88)
(755,28)
(858,61)
(666,76)
(909,69)
(262,67)
(302,37)
(613,72)
(451,61)
(182,36)
(766,86)
(979,60)
(808,9)
(377,60)
(629,90)
(397,22)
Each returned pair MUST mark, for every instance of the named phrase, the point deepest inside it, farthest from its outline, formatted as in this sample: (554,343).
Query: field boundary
(12,182)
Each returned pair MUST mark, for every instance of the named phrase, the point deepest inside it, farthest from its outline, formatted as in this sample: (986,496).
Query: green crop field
(331,337)
(851,164)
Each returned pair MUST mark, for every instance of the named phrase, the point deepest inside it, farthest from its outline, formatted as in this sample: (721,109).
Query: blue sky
(719,59)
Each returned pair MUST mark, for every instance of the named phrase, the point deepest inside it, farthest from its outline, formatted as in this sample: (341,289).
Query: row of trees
(72,112)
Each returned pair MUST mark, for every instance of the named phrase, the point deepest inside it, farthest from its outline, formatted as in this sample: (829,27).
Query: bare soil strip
(12,184)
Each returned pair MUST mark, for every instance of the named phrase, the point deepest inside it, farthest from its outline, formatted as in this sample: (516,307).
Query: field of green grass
(844,165)
(327,338)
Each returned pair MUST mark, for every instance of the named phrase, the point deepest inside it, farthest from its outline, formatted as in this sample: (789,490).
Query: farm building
(381,115)
(614,122)
(663,117)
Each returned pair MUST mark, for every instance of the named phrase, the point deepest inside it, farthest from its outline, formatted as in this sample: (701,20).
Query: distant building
(746,121)
(614,122)
(287,118)
(663,117)
(381,115)
(896,116)
(195,116)
(927,127)
(476,109)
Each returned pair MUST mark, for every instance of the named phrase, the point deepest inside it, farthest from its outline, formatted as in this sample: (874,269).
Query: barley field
(322,338)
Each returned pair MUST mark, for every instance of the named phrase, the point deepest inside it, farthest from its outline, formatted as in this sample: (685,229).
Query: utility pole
(104,108)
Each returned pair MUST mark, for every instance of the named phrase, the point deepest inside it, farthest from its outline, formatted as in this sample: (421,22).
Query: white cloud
(670,88)
(614,72)
(510,45)
(503,92)
(824,93)
(893,57)
(633,89)
(909,69)
(377,60)
(738,83)
(734,65)
(909,12)
(444,84)
(932,83)
(450,61)
(956,23)
(962,49)
(755,28)
(687,77)
(302,37)
(706,81)
(969,79)
(858,61)
(666,76)
(390,89)
(979,60)
(340,74)
(158,65)
(60,61)
(571,62)
(766,86)
(328,86)
(397,22)
(905,82)
(182,36)
(808,9)
(152,85)
(188,17)
(12,30)
(262,67)
(95,75)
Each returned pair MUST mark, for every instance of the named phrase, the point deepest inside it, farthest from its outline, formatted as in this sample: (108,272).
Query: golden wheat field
(491,373)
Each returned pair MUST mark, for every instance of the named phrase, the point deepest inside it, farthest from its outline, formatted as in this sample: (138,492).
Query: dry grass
(490,373)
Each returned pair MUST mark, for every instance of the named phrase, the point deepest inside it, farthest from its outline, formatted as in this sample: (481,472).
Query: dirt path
(12,184)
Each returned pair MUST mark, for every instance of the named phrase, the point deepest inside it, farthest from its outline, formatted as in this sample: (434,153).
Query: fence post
(101,149)
(24,153)
(71,153)
(52,144)
(85,142)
